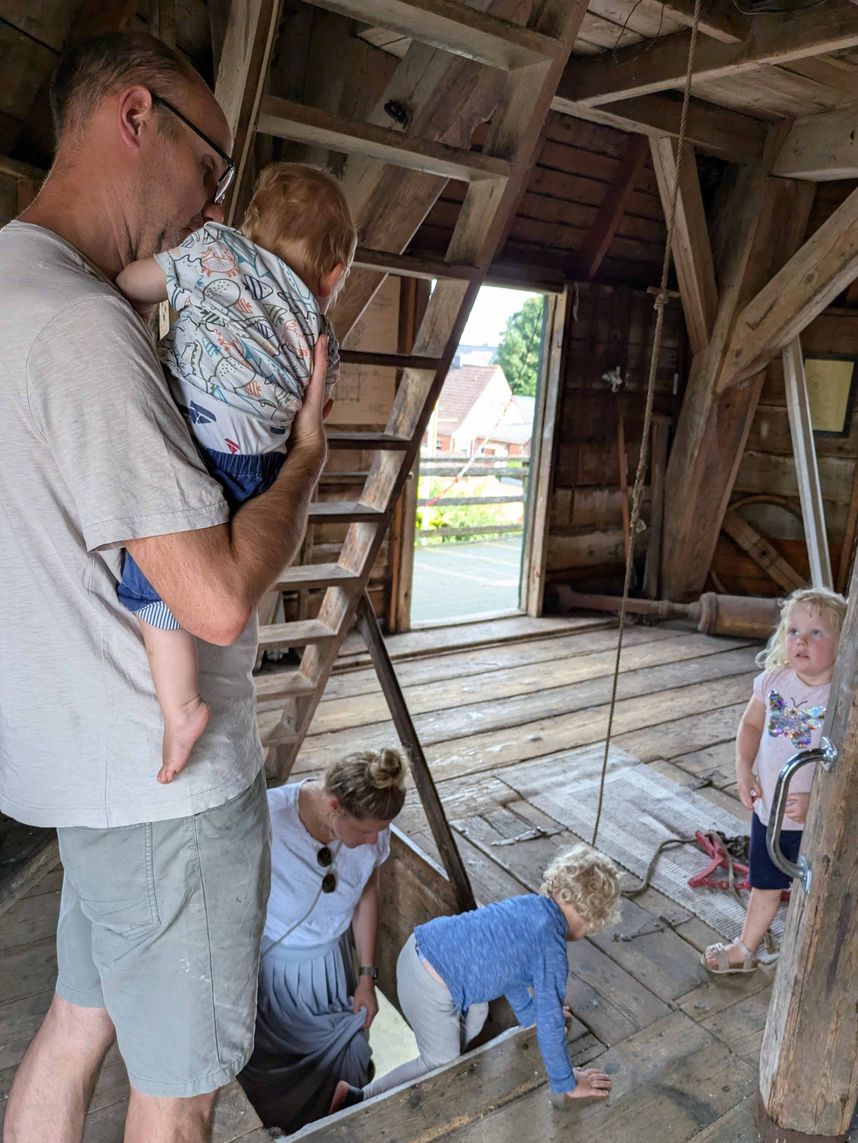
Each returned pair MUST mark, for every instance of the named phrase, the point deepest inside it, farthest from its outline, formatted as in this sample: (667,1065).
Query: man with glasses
(164,885)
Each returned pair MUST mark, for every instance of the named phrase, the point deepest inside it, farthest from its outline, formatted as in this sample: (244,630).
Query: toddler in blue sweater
(452,966)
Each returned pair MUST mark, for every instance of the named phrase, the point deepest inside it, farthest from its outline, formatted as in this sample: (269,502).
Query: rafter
(613,207)
(714,130)
(821,147)
(692,254)
(641,70)
(810,281)
(719,21)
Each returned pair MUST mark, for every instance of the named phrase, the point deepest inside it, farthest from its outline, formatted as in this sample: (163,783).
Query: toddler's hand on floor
(590,1084)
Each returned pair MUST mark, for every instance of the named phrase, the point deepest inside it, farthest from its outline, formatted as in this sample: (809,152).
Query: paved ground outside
(456,580)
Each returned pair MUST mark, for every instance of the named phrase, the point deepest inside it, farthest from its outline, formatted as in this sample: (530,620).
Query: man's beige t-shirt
(95,453)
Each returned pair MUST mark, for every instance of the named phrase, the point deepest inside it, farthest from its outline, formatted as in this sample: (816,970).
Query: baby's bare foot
(182,728)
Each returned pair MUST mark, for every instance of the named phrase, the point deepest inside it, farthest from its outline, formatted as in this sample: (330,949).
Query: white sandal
(723,967)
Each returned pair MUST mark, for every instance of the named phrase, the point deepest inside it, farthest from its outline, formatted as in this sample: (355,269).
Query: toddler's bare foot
(590,1084)
(345,1096)
(182,728)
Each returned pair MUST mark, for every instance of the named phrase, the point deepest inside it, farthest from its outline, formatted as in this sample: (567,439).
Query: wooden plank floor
(681,1045)
(488,698)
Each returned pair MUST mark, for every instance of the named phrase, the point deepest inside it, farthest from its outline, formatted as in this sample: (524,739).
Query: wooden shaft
(423,780)
(808,1064)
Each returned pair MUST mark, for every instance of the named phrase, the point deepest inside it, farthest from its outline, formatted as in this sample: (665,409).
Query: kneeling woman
(313,1016)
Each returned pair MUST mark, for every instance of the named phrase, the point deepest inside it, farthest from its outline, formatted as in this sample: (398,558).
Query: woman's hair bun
(386,769)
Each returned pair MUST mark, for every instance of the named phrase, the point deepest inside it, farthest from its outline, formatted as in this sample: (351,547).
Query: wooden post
(423,780)
(808,1065)
(806,468)
(658,464)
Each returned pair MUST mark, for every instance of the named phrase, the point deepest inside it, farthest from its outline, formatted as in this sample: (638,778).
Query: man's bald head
(89,71)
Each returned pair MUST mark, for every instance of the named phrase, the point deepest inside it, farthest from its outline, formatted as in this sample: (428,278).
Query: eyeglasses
(325,858)
(225,180)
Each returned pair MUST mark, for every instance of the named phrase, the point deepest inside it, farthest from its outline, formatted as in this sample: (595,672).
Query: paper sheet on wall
(364,394)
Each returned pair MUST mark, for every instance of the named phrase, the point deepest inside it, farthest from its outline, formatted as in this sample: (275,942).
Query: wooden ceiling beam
(821,147)
(452,27)
(718,21)
(823,267)
(644,69)
(692,253)
(613,207)
(711,129)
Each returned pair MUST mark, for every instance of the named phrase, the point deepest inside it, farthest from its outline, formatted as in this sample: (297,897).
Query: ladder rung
(407,266)
(391,360)
(282,684)
(276,636)
(268,721)
(340,478)
(312,125)
(364,440)
(315,575)
(343,512)
(453,27)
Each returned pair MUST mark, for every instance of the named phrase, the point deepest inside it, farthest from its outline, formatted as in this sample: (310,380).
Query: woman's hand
(365,997)
(590,1084)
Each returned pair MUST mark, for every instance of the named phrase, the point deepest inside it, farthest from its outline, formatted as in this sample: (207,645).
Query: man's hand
(308,433)
(749,787)
(796,807)
(365,997)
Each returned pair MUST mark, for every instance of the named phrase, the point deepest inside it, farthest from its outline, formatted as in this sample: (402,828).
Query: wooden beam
(806,468)
(764,554)
(241,76)
(447,98)
(452,27)
(718,21)
(813,1015)
(430,800)
(692,254)
(610,214)
(823,267)
(821,147)
(776,39)
(715,130)
(766,219)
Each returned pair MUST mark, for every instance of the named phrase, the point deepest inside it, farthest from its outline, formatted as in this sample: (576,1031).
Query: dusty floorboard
(491,701)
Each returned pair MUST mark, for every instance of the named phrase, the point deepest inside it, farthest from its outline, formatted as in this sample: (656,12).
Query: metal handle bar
(826,753)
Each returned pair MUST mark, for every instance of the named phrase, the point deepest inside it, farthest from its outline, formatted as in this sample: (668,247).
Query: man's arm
(212,579)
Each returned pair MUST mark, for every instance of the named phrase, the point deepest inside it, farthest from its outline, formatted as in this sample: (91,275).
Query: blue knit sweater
(506,949)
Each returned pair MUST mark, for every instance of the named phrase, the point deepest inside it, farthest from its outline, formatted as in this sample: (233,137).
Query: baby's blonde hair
(588,881)
(818,601)
(368,783)
(300,214)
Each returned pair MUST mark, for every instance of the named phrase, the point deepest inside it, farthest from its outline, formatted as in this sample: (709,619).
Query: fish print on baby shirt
(791,720)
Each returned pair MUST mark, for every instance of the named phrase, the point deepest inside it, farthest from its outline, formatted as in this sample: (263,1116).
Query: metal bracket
(826,755)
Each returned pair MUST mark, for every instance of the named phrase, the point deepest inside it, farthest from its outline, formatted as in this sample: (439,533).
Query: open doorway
(475,464)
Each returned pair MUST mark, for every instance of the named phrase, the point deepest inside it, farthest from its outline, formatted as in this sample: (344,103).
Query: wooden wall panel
(613,330)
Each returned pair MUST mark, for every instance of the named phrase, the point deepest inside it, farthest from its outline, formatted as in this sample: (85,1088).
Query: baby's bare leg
(175,673)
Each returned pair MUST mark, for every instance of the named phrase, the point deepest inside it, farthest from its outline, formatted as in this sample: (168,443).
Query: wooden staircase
(532,59)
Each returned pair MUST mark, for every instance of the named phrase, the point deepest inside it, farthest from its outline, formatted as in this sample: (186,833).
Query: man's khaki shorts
(160,923)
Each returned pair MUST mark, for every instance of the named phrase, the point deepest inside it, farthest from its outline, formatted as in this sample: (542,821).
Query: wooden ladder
(533,59)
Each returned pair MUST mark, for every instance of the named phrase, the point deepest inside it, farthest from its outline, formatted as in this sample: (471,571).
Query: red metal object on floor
(712,845)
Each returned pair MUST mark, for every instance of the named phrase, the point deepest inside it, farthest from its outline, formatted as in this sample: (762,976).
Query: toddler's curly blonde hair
(588,881)
(818,601)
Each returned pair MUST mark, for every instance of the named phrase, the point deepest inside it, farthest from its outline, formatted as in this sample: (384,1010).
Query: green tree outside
(520,347)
